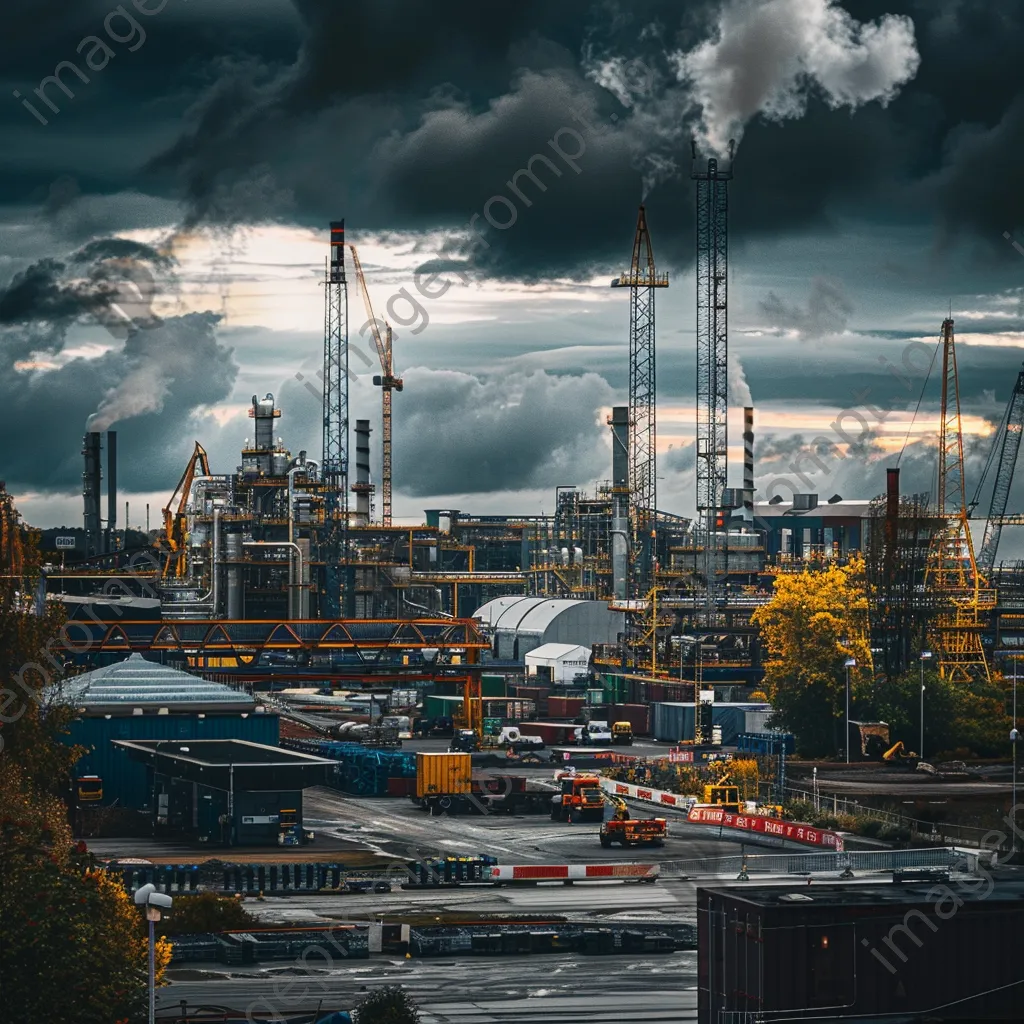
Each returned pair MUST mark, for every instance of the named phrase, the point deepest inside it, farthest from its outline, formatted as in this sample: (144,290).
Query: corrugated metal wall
(125,781)
(674,721)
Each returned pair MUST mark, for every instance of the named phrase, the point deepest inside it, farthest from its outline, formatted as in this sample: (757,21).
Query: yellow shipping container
(445,774)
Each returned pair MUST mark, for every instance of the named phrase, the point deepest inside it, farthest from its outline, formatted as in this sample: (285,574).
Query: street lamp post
(850,663)
(147,896)
(925,655)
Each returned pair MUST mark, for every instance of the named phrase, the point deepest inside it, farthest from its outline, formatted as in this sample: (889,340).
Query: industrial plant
(303,695)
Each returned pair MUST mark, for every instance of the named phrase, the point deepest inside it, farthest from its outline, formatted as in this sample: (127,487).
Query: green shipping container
(492,686)
(441,707)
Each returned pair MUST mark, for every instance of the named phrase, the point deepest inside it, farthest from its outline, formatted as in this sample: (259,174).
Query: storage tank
(279,464)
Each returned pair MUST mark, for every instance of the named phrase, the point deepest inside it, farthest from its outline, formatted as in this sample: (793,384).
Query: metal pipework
(111,490)
(295,589)
(748,463)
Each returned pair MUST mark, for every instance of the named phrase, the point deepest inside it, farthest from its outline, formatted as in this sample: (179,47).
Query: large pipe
(295,574)
(620,501)
(233,560)
(748,463)
(91,481)
(111,490)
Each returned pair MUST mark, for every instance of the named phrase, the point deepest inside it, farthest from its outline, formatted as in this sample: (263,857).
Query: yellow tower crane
(386,381)
(951,573)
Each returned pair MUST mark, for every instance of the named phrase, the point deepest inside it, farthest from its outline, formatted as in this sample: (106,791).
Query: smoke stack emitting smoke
(767,56)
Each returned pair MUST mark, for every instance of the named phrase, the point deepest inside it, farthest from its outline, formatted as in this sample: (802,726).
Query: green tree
(388,1005)
(814,621)
(205,912)
(72,945)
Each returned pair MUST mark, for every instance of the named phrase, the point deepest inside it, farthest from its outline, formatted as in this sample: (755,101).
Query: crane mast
(386,381)
(1007,443)
(641,280)
(951,573)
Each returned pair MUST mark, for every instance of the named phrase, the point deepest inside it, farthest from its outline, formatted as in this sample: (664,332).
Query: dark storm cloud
(403,115)
(462,434)
(828,310)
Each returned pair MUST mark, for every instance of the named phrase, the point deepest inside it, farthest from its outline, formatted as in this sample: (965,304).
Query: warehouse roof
(556,652)
(492,611)
(138,683)
(542,614)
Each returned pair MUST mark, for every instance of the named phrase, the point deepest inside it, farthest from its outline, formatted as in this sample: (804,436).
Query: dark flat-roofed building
(941,949)
(229,791)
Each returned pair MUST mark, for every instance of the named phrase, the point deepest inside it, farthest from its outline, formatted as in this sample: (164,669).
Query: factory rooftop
(136,685)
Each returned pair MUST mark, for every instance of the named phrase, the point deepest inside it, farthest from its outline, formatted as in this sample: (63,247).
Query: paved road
(528,990)
(670,899)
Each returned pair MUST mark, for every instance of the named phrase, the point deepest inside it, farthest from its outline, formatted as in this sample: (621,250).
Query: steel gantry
(334,468)
(641,280)
(712,357)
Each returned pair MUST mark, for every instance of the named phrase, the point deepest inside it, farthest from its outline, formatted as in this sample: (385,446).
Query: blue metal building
(137,699)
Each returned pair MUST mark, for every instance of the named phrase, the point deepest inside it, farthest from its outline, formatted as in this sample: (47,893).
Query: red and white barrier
(572,872)
(797,832)
(699,814)
(654,796)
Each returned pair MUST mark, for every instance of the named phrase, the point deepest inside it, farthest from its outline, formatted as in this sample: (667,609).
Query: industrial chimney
(91,484)
(111,535)
(362,488)
(620,501)
(748,464)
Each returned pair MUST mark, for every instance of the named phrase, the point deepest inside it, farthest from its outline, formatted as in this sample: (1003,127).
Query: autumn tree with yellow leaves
(72,942)
(813,623)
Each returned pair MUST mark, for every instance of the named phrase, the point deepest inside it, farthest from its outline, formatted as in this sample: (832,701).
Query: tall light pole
(925,655)
(850,663)
(1014,736)
(147,896)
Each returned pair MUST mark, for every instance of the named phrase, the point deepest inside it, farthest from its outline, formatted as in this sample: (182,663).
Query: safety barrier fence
(809,863)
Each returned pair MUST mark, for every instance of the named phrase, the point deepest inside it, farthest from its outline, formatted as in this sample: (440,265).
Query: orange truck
(580,798)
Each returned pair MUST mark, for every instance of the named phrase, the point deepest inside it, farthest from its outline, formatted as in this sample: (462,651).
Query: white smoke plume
(767,56)
(739,389)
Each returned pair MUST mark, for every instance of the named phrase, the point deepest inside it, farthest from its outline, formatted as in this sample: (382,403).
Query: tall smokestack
(748,463)
(892,515)
(620,501)
(91,483)
(111,490)
(362,487)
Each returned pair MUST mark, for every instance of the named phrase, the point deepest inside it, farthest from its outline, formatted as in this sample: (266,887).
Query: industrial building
(928,950)
(227,791)
(557,663)
(139,700)
(519,625)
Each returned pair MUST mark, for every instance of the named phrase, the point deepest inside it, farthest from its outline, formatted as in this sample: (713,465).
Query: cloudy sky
(164,231)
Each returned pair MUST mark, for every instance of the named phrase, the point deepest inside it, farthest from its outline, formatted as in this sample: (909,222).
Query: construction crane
(1007,444)
(387,382)
(176,521)
(951,573)
(641,280)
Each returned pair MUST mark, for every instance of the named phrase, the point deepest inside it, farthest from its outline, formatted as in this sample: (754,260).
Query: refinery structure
(305,541)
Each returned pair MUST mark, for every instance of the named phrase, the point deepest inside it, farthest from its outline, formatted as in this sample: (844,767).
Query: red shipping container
(401,787)
(638,716)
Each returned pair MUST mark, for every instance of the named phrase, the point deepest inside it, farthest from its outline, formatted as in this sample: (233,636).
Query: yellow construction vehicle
(721,795)
(176,519)
(631,831)
(899,752)
(622,732)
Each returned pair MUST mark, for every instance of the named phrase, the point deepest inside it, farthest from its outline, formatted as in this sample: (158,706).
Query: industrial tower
(334,470)
(386,381)
(641,280)
(952,572)
(712,357)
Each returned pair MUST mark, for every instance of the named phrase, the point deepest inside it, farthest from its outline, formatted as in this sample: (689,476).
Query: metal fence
(940,833)
(805,863)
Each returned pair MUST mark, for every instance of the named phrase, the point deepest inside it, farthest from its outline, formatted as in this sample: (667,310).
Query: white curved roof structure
(136,682)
